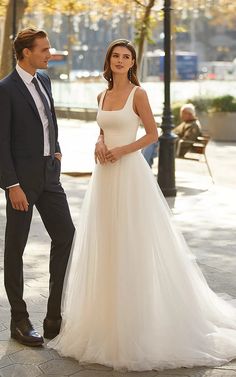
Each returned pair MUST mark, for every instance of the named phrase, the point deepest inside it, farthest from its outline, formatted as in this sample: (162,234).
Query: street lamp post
(166,161)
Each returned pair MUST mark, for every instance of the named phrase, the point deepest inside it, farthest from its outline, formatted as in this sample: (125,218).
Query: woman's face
(121,60)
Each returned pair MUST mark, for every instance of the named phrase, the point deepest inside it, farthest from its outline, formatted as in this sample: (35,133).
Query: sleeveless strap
(101,99)
(130,99)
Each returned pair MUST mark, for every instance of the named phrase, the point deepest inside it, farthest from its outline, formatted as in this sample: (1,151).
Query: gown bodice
(119,126)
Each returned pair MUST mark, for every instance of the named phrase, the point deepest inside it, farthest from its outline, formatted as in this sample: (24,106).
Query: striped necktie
(52,138)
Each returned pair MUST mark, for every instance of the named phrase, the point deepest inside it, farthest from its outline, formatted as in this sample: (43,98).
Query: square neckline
(103,98)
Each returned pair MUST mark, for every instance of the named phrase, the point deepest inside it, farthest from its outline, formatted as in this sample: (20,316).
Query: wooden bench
(197,148)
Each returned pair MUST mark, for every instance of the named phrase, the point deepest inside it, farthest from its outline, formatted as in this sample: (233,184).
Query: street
(204,212)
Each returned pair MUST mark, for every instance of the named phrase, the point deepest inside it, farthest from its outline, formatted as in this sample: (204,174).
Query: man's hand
(58,156)
(18,199)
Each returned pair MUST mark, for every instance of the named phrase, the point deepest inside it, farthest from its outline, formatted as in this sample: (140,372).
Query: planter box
(220,126)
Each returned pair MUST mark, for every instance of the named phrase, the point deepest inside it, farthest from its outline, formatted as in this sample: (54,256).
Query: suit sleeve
(7,168)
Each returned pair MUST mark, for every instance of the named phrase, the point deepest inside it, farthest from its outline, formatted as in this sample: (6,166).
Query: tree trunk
(14,14)
(143,31)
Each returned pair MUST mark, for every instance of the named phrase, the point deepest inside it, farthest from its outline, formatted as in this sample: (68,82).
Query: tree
(143,22)
(223,13)
(138,12)
(99,9)
(144,25)
(7,60)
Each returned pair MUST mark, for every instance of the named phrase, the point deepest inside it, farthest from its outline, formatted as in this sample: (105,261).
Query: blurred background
(203,44)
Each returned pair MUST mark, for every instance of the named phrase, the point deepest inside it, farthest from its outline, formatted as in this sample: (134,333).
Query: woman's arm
(143,110)
(100,146)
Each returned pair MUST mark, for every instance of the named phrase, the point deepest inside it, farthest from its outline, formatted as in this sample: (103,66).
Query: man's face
(39,55)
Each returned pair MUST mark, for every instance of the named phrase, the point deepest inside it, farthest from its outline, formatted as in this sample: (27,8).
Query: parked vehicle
(217,70)
(186,64)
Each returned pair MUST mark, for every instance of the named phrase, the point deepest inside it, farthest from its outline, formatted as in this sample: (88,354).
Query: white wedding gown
(134,297)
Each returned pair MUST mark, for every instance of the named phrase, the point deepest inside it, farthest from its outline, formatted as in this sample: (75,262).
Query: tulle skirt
(134,296)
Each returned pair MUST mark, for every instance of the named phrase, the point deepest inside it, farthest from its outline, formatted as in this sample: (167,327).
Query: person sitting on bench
(188,131)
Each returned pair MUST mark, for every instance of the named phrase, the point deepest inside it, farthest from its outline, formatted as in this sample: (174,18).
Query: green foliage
(225,103)
(202,105)
(3,5)
(175,111)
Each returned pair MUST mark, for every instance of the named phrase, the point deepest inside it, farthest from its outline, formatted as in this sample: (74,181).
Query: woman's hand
(114,154)
(100,152)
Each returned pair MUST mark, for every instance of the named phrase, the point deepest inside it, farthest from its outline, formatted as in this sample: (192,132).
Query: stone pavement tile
(5,361)
(177,372)
(35,272)
(231,365)
(2,327)
(5,310)
(112,373)
(36,300)
(135,374)
(4,335)
(93,373)
(51,375)
(8,347)
(64,366)
(33,356)
(37,283)
(98,367)
(196,372)
(173,374)
(213,373)
(18,370)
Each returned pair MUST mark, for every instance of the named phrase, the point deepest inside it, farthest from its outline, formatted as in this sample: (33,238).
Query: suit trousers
(50,200)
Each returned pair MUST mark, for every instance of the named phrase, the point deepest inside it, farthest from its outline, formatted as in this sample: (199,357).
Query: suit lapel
(25,92)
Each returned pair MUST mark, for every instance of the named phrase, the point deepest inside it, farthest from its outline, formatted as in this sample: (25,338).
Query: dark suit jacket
(21,132)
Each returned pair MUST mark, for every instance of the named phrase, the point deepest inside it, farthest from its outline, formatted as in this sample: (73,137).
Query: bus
(186,65)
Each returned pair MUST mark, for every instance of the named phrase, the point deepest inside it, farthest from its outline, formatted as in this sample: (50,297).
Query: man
(29,173)
(187,131)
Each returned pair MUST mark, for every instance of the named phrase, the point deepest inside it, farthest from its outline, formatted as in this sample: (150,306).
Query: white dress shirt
(27,78)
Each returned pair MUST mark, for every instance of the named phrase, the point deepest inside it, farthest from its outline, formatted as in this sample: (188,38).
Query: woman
(134,295)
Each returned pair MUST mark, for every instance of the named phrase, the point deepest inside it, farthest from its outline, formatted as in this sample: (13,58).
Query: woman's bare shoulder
(140,93)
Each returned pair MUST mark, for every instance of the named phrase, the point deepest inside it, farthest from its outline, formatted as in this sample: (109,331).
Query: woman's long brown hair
(107,74)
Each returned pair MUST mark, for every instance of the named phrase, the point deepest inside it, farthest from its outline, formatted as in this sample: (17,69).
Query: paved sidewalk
(204,212)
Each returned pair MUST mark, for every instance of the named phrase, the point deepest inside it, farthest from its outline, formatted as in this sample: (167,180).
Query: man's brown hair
(26,39)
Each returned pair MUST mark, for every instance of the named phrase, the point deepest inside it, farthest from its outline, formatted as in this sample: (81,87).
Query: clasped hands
(104,155)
